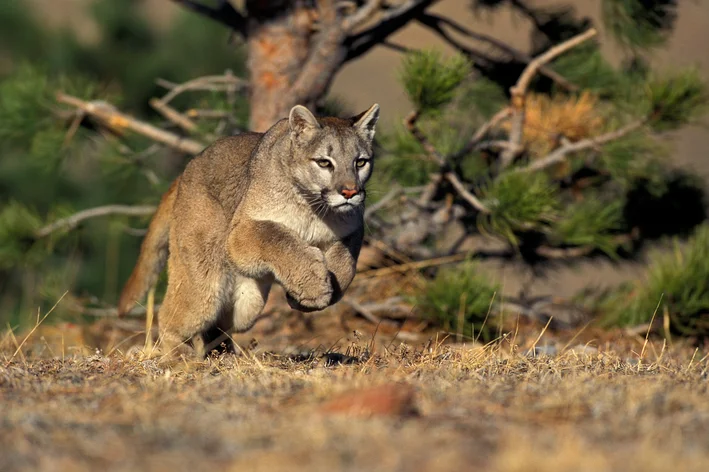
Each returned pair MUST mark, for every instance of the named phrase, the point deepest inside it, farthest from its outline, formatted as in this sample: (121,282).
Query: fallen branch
(73,221)
(410,266)
(116,120)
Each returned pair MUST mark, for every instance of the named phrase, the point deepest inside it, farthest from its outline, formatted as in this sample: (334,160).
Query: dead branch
(569,147)
(73,221)
(173,115)
(519,92)
(223,13)
(523,82)
(111,312)
(393,20)
(117,120)
(208,83)
(366,314)
(411,266)
(493,122)
(464,193)
(390,195)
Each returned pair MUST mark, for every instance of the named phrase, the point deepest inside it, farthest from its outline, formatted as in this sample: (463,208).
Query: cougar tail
(153,254)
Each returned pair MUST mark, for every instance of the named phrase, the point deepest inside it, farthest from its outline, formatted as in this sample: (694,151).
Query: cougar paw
(306,305)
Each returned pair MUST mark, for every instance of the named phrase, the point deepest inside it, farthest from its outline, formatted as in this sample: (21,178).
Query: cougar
(285,206)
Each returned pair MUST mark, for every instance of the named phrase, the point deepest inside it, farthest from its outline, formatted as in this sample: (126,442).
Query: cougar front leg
(260,248)
(341,261)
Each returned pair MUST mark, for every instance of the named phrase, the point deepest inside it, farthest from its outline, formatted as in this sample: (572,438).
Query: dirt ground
(327,398)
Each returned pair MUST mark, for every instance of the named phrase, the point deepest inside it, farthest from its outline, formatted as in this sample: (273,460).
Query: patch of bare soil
(363,402)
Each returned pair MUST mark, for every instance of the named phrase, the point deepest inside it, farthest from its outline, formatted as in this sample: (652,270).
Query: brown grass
(479,408)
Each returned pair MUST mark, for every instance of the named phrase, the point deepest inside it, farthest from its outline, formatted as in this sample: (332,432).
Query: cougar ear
(366,122)
(303,124)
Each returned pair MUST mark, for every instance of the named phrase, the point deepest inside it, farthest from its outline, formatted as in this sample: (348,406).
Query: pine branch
(114,119)
(559,154)
(74,220)
(392,21)
(435,22)
(519,92)
(224,13)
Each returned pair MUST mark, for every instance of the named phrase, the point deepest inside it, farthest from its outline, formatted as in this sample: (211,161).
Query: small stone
(383,400)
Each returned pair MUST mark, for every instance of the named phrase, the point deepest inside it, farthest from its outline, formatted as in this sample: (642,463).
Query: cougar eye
(361,163)
(324,163)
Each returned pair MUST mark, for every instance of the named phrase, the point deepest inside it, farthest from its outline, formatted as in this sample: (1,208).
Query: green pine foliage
(676,285)
(455,291)
(519,203)
(586,200)
(50,169)
(639,24)
(593,221)
(430,80)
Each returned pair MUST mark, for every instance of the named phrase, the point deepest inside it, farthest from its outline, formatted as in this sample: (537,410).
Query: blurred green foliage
(49,170)
(459,299)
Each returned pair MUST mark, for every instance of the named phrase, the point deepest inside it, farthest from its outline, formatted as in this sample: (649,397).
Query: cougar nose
(348,192)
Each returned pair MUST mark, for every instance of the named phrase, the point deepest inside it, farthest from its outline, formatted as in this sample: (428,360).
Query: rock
(383,400)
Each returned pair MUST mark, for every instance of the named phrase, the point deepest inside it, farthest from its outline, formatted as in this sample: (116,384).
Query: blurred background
(608,231)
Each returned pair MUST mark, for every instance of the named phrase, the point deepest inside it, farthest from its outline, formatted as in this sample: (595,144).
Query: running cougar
(283,206)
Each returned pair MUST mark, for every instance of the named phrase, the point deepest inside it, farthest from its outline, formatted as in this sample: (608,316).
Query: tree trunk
(290,62)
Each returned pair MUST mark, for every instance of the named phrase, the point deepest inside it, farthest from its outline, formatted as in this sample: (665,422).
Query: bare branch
(393,20)
(523,82)
(411,266)
(114,119)
(435,156)
(361,15)
(224,13)
(212,83)
(73,221)
(391,195)
(519,91)
(568,147)
(173,115)
(467,196)
(493,122)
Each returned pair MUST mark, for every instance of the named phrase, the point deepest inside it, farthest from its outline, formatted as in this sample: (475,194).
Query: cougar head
(331,158)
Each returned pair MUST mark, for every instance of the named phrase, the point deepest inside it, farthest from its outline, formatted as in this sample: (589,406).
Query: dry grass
(491,408)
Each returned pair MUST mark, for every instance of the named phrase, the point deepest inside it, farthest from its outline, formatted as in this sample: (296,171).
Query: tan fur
(252,210)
